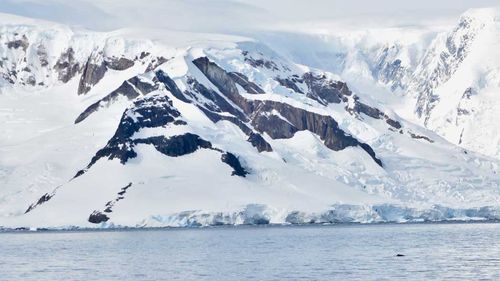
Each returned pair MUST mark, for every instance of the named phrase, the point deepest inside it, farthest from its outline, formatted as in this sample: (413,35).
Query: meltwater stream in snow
(453,251)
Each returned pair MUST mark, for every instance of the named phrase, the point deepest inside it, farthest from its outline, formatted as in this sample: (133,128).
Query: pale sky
(237,15)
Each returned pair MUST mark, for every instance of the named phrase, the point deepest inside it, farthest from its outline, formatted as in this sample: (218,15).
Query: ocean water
(336,252)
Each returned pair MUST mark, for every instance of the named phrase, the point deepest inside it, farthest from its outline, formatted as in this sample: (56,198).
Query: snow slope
(159,128)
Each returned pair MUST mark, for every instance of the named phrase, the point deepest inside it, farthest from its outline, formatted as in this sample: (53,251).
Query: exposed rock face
(121,146)
(319,87)
(155,63)
(142,84)
(360,107)
(214,102)
(96,67)
(31,81)
(224,82)
(324,90)
(19,43)
(415,136)
(170,85)
(46,197)
(120,196)
(259,142)
(259,62)
(98,217)
(67,66)
(42,55)
(130,89)
(274,126)
(176,145)
(299,119)
(152,111)
(469,92)
(290,83)
(291,119)
(243,81)
(119,63)
(93,72)
(234,162)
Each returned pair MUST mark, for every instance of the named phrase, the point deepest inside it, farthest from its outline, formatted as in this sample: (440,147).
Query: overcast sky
(234,15)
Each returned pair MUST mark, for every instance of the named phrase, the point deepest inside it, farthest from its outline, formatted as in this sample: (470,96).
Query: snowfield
(154,128)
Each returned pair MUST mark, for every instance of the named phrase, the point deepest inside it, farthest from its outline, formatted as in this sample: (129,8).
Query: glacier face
(132,128)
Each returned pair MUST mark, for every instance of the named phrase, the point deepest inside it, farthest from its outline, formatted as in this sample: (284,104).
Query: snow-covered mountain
(448,76)
(163,128)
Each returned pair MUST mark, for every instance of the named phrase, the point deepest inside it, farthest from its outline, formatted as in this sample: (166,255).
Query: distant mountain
(162,128)
(446,79)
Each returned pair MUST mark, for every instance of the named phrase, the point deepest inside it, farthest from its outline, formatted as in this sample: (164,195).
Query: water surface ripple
(338,252)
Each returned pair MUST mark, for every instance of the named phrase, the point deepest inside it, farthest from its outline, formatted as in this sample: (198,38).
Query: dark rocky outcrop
(152,111)
(96,67)
(31,80)
(19,43)
(98,217)
(119,63)
(67,66)
(243,81)
(215,117)
(360,107)
(224,83)
(298,119)
(42,55)
(143,85)
(180,122)
(259,142)
(216,103)
(290,83)
(420,137)
(274,126)
(173,146)
(155,63)
(79,173)
(93,72)
(393,123)
(130,89)
(46,197)
(324,90)
(176,145)
(234,162)
(260,63)
(170,85)
(120,196)
(469,92)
